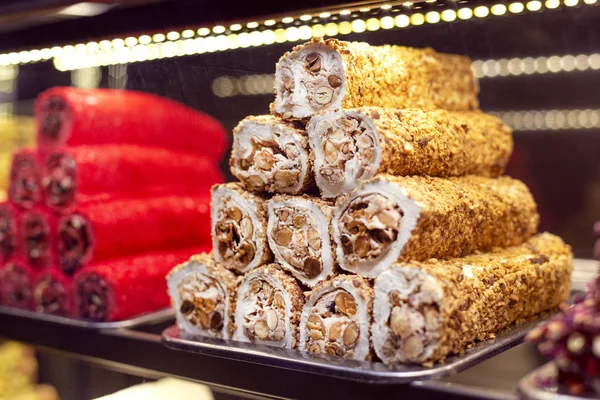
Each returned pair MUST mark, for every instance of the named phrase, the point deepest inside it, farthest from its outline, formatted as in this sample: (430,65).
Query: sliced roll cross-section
(8,231)
(328,75)
(93,173)
(424,311)
(298,232)
(271,155)
(25,189)
(399,218)
(336,318)
(37,229)
(121,227)
(352,146)
(239,225)
(125,287)
(16,285)
(268,307)
(53,293)
(202,293)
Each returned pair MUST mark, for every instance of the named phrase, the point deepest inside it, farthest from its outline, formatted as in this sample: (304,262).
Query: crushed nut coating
(424,311)
(352,146)
(331,74)
(271,155)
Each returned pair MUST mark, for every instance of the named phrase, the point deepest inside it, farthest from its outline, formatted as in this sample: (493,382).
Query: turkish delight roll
(81,174)
(424,311)
(25,188)
(16,284)
(336,318)
(239,228)
(125,287)
(298,232)
(8,231)
(53,293)
(68,116)
(268,307)
(328,75)
(351,146)
(101,231)
(38,236)
(270,154)
(391,218)
(202,293)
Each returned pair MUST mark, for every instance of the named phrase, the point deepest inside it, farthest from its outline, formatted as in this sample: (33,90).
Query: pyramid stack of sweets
(116,190)
(371,219)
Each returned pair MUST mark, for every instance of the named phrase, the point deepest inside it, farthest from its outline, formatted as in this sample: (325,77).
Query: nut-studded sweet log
(84,173)
(328,75)
(125,287)
(298,232)
(68,116)
(392,218)
(202,293)
(336,318)
(38,236)
(239,228)
(122,227)
(25,188)
(268,307)
(351,146)
(16,285)
(270,154)
(8,231)
(424,311)
(53,293)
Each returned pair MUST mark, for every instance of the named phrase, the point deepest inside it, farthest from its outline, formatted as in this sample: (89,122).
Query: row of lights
(544,120)
(539,65)
(220,38)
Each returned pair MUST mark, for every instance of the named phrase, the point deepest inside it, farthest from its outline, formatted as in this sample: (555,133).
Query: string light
(540,65)
(544,120)
(106,52)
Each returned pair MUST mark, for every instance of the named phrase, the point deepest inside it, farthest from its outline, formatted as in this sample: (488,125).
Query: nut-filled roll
(202,293)
(268,307)
(328,75)
(392,218)
(271,155)
(424,311)
(351,146)
(298,232)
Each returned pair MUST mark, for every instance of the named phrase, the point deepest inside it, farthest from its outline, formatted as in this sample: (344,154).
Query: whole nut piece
(285,178)
(246,227)
(272,320)
(315,323)
(351,334)
(234,213)
(334,80)
(323,95)
(261,329)
(345,303)
(335,331)
(362,246)
(314,348)
(399,323)
(314,239)
(245,253)
(313,62)
(283,237)
(413,346)
(334,349)
(312,267)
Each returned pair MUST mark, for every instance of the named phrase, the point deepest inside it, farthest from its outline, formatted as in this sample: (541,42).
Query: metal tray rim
(361,371)
(152,317)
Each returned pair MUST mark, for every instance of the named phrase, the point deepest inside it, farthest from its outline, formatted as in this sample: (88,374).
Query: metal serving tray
(143,319)
(530,387)
(361,371)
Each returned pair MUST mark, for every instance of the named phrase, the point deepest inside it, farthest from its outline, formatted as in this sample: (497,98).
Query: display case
(537,64)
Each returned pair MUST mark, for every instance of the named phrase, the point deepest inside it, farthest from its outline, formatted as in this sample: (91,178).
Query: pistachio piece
(362,245)
(267,290)
(283,214)
(245,253)
(246,227)
(335,331)
(261,329)
(299,220)
(345,303)
(216,321)
(312,267)
(313,62)
(186,307)
(350,334)
(334,80)
(272,320)
(314,239)
(255,286)
(323,95)
(283,236)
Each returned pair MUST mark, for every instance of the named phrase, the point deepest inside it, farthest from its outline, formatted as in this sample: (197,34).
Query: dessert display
(417,246)
(68,116)
(352,146)
(115,194)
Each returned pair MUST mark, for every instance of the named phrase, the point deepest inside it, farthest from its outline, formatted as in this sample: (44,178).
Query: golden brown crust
(402,77)
(441,143)
(485,292)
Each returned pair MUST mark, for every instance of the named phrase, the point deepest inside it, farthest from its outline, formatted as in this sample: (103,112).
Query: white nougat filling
(309,91)
(410,214)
